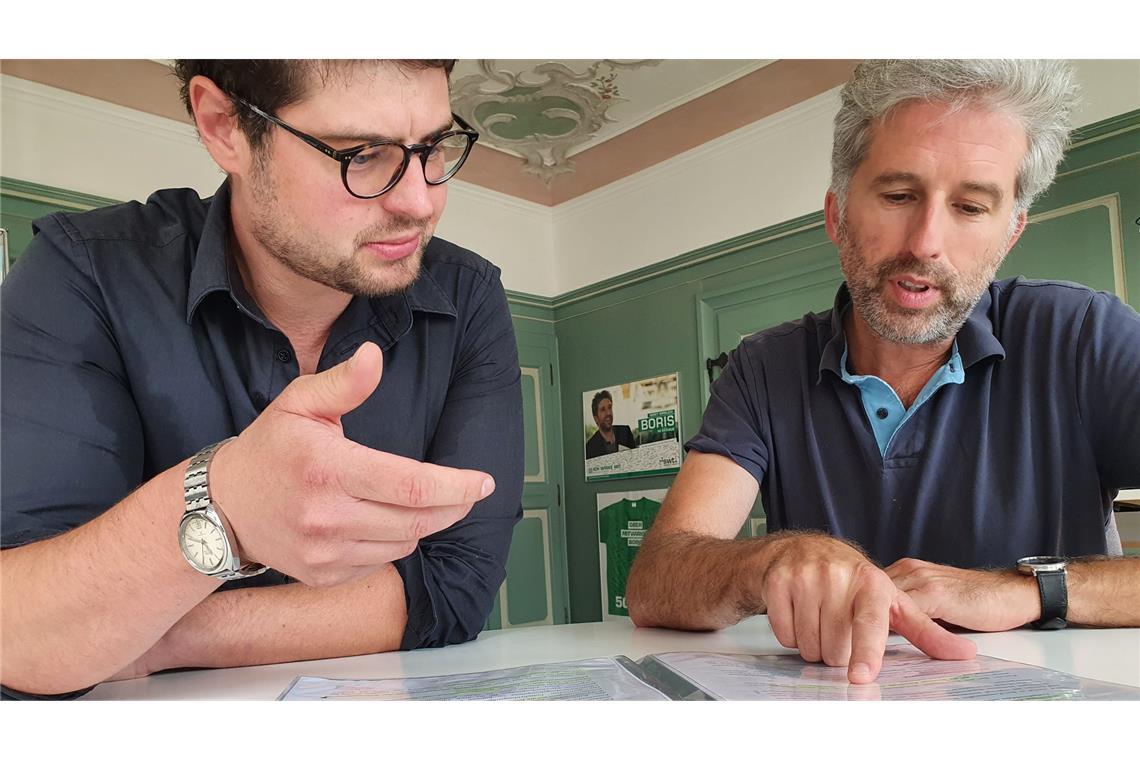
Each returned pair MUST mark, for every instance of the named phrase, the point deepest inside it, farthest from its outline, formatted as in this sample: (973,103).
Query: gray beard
(960,294)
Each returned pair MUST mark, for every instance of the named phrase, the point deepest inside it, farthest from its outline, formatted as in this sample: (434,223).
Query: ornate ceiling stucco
(541,114)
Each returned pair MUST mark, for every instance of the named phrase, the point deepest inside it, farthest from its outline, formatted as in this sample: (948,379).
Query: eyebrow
(359,138)
(986,188)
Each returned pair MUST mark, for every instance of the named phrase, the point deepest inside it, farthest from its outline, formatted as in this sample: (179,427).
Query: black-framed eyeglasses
(369,171)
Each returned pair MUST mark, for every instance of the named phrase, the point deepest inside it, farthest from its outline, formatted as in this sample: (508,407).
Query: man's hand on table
(825,598)
(306,501)
(981,600)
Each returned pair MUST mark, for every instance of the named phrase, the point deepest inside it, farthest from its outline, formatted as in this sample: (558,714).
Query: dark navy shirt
(129,343)
(1024,457)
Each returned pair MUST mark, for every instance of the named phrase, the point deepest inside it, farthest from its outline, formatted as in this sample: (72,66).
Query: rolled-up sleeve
(70,439)
(450,581)
(732,425)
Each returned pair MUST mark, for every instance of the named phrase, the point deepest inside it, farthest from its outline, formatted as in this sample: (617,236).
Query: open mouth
(913,287)
(913,292)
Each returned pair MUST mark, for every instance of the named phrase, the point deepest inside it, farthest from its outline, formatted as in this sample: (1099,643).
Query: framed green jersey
(623,520)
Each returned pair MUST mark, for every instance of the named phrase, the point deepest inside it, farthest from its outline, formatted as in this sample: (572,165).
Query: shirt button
(259,401)
(283,355)
(882,413)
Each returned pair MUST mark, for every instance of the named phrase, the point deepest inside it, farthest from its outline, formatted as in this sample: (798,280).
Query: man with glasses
(921,444)
(291,380)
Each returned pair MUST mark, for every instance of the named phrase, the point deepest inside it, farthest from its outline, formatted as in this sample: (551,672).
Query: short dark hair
(598,399)
(272,84)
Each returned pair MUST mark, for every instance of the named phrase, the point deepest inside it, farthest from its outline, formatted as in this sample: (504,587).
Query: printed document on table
(906,674)
(608,678)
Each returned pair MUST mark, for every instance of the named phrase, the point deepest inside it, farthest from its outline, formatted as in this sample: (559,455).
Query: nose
(927,233)
(412,196)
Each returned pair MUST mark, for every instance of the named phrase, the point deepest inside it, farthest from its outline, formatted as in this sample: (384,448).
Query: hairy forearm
(694,582)
(1105,592)
(287,623)
(78,607)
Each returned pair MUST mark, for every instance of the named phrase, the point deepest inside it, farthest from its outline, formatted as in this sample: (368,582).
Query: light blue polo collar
(881,404)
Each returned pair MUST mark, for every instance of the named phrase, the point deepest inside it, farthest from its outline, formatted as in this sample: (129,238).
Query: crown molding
(71,105)
(478,193)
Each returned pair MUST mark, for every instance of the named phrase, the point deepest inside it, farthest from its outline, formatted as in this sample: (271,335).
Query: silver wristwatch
(203,535)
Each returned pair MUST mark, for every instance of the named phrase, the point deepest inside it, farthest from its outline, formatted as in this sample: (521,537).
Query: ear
(1022,220)
(831,216)
(218,126)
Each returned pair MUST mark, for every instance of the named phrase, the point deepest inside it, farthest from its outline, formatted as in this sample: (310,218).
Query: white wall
(755,177)
(73,142)
(1108,88)
(57,138)
(759,175)
(514,234)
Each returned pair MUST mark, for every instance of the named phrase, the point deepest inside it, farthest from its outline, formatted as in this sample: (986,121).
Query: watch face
(203,543)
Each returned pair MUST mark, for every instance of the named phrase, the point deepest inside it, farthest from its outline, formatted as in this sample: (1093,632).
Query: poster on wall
(633,429)
(623,520)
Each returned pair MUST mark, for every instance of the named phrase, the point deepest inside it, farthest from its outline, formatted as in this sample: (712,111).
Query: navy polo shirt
(129,343)
(1022,457)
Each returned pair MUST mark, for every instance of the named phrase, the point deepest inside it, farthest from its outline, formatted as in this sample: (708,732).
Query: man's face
(605,415)
(303,215)
(928,219)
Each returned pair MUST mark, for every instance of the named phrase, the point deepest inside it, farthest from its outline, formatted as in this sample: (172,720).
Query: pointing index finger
(870,626)
(379,476)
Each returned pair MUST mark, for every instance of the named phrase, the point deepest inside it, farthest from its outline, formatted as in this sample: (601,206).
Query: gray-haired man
(935,419)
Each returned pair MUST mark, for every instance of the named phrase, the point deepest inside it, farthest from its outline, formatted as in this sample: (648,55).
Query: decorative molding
(72,106)
(536,376)
(504,603)
(540,120)
(480,194)
(33,191)
(1112,204)
(692,258)
(1100,130)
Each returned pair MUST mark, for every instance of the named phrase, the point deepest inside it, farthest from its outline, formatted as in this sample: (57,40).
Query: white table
(1106,655)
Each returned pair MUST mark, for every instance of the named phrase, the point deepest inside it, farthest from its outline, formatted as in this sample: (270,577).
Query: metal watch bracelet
(196,491)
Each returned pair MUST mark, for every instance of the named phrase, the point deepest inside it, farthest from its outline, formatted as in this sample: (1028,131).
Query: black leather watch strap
(1054,599)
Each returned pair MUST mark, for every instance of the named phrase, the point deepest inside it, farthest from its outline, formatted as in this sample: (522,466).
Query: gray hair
(1041,95)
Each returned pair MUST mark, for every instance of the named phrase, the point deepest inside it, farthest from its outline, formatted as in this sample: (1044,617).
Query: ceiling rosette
(543,114)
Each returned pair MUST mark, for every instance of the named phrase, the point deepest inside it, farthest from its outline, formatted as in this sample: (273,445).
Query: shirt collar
(975,340)
(425,294)
(211,271)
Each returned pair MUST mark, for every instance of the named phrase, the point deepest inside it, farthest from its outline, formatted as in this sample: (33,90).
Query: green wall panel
(530,425)
(1063,247)
(527,600)
(651,335)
